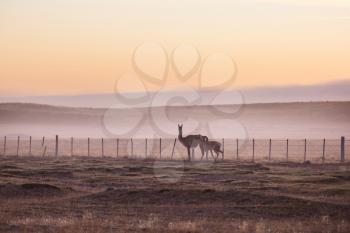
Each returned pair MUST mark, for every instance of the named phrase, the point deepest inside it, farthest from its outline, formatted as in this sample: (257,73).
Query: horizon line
(244,88)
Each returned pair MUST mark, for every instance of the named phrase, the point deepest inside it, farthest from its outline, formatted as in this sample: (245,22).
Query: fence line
(296,150)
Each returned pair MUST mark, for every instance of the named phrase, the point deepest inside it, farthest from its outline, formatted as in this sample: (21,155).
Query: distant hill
(334,91)
(277,120)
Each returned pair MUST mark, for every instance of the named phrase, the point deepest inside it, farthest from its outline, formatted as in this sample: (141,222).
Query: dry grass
(121,195)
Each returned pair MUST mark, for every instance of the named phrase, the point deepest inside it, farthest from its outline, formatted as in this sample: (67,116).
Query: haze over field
(284,120)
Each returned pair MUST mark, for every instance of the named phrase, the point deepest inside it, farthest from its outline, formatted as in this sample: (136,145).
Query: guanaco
(211,146)
(191,142)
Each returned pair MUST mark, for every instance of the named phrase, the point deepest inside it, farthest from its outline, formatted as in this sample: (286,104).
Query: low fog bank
(283,120)
(334,91)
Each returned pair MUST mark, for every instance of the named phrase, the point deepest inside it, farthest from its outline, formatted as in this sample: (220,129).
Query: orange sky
(78,47)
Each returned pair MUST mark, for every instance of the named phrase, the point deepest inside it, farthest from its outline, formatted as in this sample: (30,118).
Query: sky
(74,47)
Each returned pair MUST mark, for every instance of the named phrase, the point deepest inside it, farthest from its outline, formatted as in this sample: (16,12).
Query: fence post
(42,143)
(30,145)
(71,146)
(237,150)
(88,147)
(305,150)
(145,147)
(287,152)
(253,150)
(270,149)
(56,146)
(103,149)
(160,147)
(323,150)
(172,153)
(44,152)
(342,149)
(132,147)
(18,146)
(223,148)
(5,139)
(117,147)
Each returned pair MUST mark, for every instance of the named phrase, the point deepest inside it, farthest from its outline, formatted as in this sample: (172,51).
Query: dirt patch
(9,191)
(319,180)
(38,173)
(251,204)
(344,177)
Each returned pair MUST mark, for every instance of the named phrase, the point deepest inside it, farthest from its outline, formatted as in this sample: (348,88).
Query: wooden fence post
(172,153)
(223,148)
(237,155)
(5,139)
(146,148)
(88,147)
(323,151)
(342,149)
(103,149)
(305,150)
(44,152)
(253,150)
(30,145)
(287,152)
(160,147)
(270,144)
(18,145)
(71,146)
(56,146)
(132,147)
(117,147)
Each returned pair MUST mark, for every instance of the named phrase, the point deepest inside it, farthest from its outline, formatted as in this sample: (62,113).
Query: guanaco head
(180,129)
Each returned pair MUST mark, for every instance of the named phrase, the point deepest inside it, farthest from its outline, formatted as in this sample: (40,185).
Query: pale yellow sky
(50,47)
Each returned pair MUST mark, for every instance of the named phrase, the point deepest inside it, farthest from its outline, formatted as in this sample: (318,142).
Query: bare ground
(84,194)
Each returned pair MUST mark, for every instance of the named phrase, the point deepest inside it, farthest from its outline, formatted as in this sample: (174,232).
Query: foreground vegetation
(123,195)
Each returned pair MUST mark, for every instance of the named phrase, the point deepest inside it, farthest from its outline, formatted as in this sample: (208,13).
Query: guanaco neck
(180,135)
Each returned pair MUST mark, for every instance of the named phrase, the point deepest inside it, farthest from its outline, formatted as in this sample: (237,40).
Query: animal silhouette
(191,142)
(211,146)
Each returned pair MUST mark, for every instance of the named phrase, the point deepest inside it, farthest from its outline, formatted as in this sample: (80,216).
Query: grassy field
(123,195)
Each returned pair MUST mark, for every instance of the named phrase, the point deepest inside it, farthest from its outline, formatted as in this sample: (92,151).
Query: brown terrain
(82,194)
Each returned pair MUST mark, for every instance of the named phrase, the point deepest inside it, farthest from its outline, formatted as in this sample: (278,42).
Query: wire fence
(296,150)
